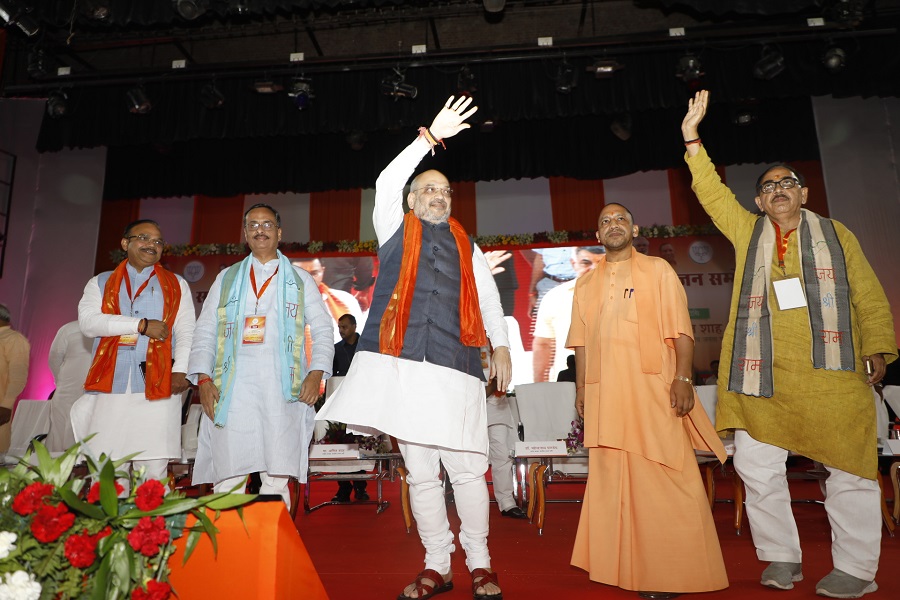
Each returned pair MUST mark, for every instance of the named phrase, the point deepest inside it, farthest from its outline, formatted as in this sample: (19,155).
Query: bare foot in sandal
(485,585)
(427,584)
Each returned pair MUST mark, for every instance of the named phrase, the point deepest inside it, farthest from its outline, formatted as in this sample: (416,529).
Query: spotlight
(605,69)
(14,14)
(621,127)
(566,78)
(744,117)
(494,6)
(834,59)
(190,9)
(211,97)
(488,125)
(301,92)
(395,85)
(95,9)
(57,105)
(689,68)
(138,102)
(770,64)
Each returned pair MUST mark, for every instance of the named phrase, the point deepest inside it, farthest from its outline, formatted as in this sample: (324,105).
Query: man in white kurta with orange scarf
(645,523)
(143,319)
(417,373)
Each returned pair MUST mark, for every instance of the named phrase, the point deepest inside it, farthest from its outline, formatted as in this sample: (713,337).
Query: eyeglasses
(146,239)
(787,183)
(430,190)
(266,225)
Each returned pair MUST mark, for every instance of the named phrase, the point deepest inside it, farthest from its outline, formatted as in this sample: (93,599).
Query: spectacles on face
(787,183)
(430,190)
(146,239)
(265,225)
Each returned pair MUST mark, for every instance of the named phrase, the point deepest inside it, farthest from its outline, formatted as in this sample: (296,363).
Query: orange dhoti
(645,526)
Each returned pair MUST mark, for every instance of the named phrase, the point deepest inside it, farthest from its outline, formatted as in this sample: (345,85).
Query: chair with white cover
(30,420)
(708,461)
(546,412)
(892,397)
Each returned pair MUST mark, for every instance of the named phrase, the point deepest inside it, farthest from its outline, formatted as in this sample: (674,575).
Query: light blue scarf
(230,314)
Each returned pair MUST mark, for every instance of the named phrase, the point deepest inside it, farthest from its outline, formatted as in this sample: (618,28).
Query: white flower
(7,543)
(20,586)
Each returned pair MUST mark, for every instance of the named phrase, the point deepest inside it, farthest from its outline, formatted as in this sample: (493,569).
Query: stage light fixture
(301,92)
(605,69)
(57,105)
(395,85)
(743,117)
(267,86)
(494,6)
(190,9)
(465,82)
(356,140)
(95,9)
(770,64)
(566,78)
(689,68)
(211,97)
(13,13)
(138,101)
(834,59)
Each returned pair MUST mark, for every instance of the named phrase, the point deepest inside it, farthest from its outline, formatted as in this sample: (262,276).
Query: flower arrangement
(65,536)
(575,439)
(337,434)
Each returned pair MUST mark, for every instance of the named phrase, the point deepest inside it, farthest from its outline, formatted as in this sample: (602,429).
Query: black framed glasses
(265,225)
(787,183)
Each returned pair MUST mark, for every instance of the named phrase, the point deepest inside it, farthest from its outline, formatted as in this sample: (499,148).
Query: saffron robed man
(257,387)
(807,314)
(631,332)
(417,372)
(142,320)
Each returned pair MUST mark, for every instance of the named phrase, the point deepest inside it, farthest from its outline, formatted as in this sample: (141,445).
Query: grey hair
(4,313)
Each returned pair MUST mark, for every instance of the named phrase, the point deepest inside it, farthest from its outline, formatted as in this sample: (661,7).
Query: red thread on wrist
(204,380)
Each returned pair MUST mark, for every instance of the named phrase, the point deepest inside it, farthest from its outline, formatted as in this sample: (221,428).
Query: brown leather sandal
(480,578)
(427,590)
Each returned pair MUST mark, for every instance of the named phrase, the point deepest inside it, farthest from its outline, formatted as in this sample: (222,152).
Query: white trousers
(853,505)
(426,494)
(269,484)
(501,466)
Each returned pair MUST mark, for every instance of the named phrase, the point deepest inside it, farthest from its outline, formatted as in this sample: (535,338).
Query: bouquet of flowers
(575,439)
(65,536)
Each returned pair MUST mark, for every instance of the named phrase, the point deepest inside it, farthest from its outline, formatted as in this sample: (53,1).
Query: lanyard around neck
(262,290)
(140,289)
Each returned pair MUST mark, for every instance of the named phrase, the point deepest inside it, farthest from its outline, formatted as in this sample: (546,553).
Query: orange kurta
(645,522)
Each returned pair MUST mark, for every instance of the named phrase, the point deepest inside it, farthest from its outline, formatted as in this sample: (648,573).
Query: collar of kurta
(646,299)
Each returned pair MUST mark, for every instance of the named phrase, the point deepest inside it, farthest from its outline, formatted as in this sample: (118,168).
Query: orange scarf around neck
(158,380)
(396,315)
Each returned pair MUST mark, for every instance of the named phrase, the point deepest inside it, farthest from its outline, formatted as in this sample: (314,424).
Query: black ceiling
(261,142)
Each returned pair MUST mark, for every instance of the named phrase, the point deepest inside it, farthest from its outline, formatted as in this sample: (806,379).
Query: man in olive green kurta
(778,386)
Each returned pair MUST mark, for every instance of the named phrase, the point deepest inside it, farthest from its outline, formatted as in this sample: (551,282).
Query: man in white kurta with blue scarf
(257,387)
(417,372)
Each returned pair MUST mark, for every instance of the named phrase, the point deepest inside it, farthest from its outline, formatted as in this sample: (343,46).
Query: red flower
(31,498)
(149,495)
(94,492)
(156,590)
(50,522)
(148,534)
(81,549)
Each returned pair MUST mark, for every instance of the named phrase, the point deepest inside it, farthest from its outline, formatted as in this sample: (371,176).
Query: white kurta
(127,423)
(263,431)
(417,402)
(69,360)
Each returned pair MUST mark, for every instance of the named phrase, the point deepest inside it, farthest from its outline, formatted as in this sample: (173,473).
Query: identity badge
(789,293)
(254,329)
(128,340)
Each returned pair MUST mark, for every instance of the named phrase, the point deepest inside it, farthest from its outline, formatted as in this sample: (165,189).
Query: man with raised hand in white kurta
(249,361)
(417,372)
(142,318)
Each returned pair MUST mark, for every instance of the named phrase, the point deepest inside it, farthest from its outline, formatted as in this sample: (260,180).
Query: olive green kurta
(828,416)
